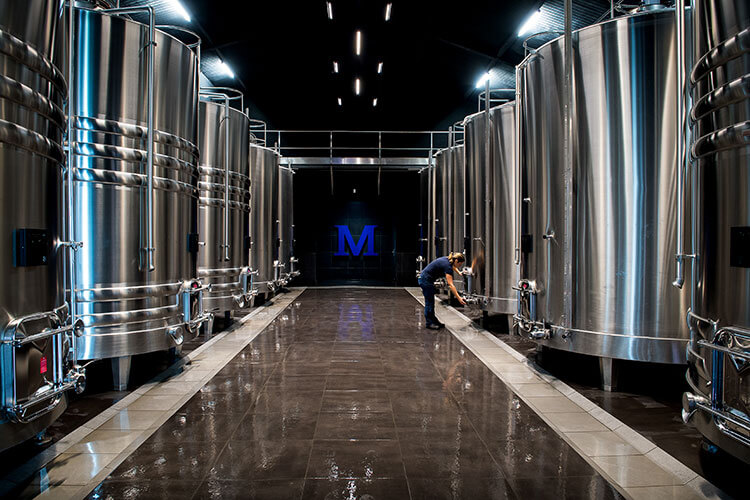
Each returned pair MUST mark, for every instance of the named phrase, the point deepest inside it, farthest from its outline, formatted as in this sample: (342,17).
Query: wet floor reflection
(346,395)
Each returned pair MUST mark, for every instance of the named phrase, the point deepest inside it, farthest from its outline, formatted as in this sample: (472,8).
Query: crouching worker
(439,268)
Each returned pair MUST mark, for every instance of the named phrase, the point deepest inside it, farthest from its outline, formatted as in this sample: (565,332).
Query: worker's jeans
(428,290)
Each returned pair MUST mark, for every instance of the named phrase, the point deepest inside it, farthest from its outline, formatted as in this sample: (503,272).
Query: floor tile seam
(400,448)
(674,467)
(168,413)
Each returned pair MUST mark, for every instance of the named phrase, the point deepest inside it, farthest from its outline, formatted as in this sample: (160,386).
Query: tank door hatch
(739,253)
(31,247)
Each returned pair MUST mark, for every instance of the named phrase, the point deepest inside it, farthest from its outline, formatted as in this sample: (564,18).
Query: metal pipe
(150,146)
(517,161)
(226,178)
(487,191)
(70,236)
(681,144)
(568,149)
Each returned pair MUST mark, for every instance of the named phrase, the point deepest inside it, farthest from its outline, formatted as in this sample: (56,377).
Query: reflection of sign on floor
(367,236)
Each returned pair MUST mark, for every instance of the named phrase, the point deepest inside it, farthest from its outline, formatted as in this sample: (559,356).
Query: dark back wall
(355,203)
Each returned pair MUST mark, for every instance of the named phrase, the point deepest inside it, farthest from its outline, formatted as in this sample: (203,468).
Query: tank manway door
(31,247)
(740,247)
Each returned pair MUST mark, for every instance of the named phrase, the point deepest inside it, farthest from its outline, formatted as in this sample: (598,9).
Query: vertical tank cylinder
(617,300)
(286,225)
(441,221)
(264,166)
(720,315)
(492,272)
(223,256)
(136,271)
(34,373)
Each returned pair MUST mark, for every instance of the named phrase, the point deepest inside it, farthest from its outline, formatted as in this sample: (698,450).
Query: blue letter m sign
(345,236)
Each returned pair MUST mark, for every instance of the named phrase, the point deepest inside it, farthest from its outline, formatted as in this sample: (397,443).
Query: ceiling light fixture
(340,102)
(357,86)
(179,9)
(359,43)
(484,79)
(530,23)
(335,67)
(224,67)
(388,11)
(374,102)
(329,9)
(380,67)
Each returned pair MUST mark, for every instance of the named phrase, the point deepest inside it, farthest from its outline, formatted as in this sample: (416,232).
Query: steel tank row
(717,242)
(147,232)
(36,364)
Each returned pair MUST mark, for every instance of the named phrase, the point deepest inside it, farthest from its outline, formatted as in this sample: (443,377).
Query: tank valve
(690,404)
(543,334)
(176,334)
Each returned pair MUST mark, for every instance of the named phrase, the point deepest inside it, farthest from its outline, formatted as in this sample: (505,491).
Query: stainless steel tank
(423,231)
(442,199)
(135,189)
(264,165)
(491,199)
(456,209)
(224,206)
(35,363)
(287,269)
(599,249)
(719,351)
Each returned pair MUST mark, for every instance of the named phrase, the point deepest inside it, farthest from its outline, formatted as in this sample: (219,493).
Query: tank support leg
(208,329)
(121,372)
(485,319)
(609,370)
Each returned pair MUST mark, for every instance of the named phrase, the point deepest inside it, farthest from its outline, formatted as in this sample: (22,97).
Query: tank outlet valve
(78,327)
(690,404)
(176,334)
(543,334)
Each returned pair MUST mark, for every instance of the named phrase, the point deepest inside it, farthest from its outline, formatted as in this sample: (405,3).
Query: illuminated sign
(367,236)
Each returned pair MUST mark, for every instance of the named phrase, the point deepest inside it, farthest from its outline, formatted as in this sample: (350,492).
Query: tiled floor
(350,397)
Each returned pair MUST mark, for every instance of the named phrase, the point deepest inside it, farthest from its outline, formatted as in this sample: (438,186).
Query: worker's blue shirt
(436,269)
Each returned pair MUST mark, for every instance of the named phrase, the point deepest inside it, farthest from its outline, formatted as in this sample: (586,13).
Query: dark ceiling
(433,52)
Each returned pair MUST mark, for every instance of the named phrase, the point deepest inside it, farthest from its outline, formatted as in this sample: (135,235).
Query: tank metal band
(127,292)
(32,59)
(21,94)
(133,180)
(727,50)
(87,124)
(217,202)
(732,93)
(736,136)
(12,134)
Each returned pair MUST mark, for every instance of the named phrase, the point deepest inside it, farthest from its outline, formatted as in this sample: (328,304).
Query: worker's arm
(449,280)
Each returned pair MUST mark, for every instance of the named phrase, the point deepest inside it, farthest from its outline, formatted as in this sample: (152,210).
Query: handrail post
(568,167)
(487,190)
